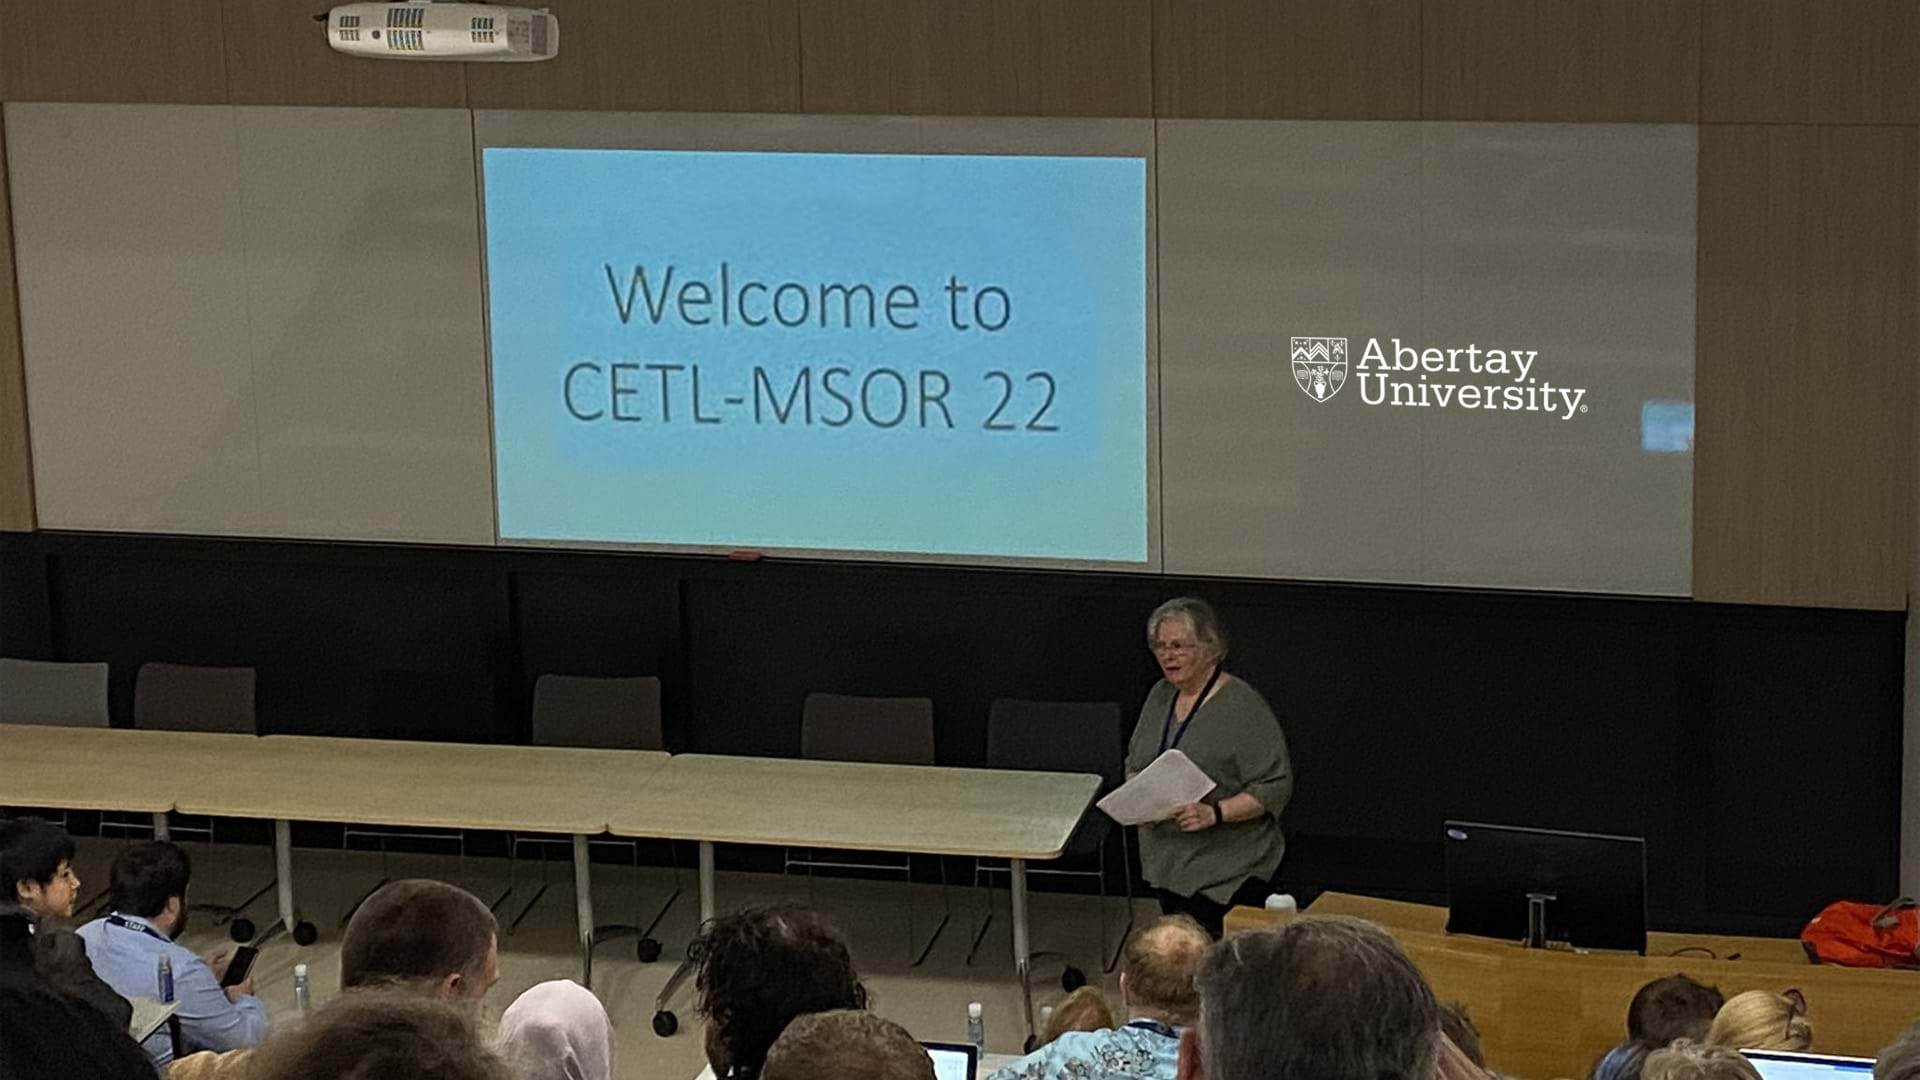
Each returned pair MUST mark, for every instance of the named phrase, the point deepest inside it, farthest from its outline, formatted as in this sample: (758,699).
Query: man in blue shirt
(147,901)
(1157,990)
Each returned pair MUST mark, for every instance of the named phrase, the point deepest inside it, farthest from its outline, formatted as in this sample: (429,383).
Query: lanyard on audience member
(1154,1026)
(1167,728)
(124,924)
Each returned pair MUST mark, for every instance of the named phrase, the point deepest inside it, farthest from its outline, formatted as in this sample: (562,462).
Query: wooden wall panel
(1810,61)
(669,55)
(988,58)
(112,50)
(1287,59)
(16,458)
(1804,371)
(278,55)
(1591,60)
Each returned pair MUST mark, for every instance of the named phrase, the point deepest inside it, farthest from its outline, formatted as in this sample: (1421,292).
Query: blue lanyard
(1154,1026)
(1167,728)
(115,920)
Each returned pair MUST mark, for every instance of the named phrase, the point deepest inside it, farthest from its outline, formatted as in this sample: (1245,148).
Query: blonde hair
(1689,1060)
(1085,1009)
(1760,1020)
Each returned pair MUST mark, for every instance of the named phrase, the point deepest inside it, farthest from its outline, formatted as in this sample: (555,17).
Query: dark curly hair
(758,969)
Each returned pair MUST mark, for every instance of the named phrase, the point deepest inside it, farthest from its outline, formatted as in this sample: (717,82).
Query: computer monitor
(1780,1065)
(1593,889)
(953,1061)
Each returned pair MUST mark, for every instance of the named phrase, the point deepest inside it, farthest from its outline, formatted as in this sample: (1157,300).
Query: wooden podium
(1549,1013)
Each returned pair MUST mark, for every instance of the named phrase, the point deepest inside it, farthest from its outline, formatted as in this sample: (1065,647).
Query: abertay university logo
(1320,365)
(1461,377)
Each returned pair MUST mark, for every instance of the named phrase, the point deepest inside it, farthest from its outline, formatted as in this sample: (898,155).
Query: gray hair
(1321,998)
(1901,1061)
(1207,628)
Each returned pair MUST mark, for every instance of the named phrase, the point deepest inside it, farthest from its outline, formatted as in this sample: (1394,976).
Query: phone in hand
(240,966)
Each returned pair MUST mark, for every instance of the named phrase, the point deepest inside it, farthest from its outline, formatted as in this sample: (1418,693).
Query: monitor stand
(1537,918)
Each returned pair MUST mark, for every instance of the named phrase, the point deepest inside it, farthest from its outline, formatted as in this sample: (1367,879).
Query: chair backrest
(44,692)
(182,697)
(604,713)
(892,731)
(1057,736)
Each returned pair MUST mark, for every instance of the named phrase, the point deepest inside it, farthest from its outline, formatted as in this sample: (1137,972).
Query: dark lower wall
(1756,749)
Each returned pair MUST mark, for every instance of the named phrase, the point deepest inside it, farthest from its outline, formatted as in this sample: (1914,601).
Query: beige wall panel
(680,55)
(132,305)
(1595,60)
(113,50)
(1807,339)
(1810,61)
(364,302)
(1287,59)
(16,462)
(997,58)
(278,55)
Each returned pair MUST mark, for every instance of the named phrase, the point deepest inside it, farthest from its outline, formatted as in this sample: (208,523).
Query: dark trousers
(1210,915)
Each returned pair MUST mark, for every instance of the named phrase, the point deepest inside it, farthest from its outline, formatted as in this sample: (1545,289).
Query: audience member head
(1759,1020)
(36,867)
(1317,999)
(1689,1060)
(1085,1009)
(757,970)
(149,879)
(1623,1062)
(46,1033)
(424,936)
(1460,1030)
(1158,971)
(376,1035)
(558,1031)
(1675,1007)
(846,1044)
(1901,1061)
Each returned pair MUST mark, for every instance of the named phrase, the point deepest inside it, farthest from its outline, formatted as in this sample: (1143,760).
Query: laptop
(1782,1065)
(953,1061)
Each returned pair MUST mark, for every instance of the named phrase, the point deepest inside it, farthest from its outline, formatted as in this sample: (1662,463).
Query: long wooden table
(1552,1013)
(987,813)
(912,809)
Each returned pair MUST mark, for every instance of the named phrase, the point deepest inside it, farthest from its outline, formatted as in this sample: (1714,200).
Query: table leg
(706,882)
(1022,959)
(160,831)
(583,904)
(283,872)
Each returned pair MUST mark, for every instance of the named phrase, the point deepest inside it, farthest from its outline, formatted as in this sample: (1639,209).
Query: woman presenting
(1223,851)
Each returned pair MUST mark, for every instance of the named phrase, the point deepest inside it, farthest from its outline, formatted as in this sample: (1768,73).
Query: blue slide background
(1064,236)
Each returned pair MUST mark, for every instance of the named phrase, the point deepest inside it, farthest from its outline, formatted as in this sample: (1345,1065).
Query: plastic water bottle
(1046,1016)
(977,1026)
(301,989)
(166,979)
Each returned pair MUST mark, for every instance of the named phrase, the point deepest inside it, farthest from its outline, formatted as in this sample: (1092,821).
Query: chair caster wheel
(1072,979)
(665,1024)
(241,930)
(305,934)
(648,950)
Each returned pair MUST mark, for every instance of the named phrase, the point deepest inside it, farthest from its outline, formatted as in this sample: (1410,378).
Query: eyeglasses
(1176,647)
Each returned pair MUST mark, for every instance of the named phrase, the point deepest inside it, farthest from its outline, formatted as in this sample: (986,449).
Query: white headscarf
(558,1031)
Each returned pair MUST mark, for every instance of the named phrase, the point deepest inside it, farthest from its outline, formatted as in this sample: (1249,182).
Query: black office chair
(609,714)
(1073,737)
(889,731)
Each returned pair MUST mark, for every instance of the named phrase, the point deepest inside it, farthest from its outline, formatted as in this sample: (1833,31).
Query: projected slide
(920,355)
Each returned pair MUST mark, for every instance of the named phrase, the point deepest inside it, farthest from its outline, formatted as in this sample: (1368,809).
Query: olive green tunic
(1236,740)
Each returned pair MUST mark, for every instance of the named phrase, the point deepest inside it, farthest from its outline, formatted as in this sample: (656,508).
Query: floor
(930,1000)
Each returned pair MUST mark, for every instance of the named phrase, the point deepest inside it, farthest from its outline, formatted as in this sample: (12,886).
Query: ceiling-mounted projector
(434,30)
